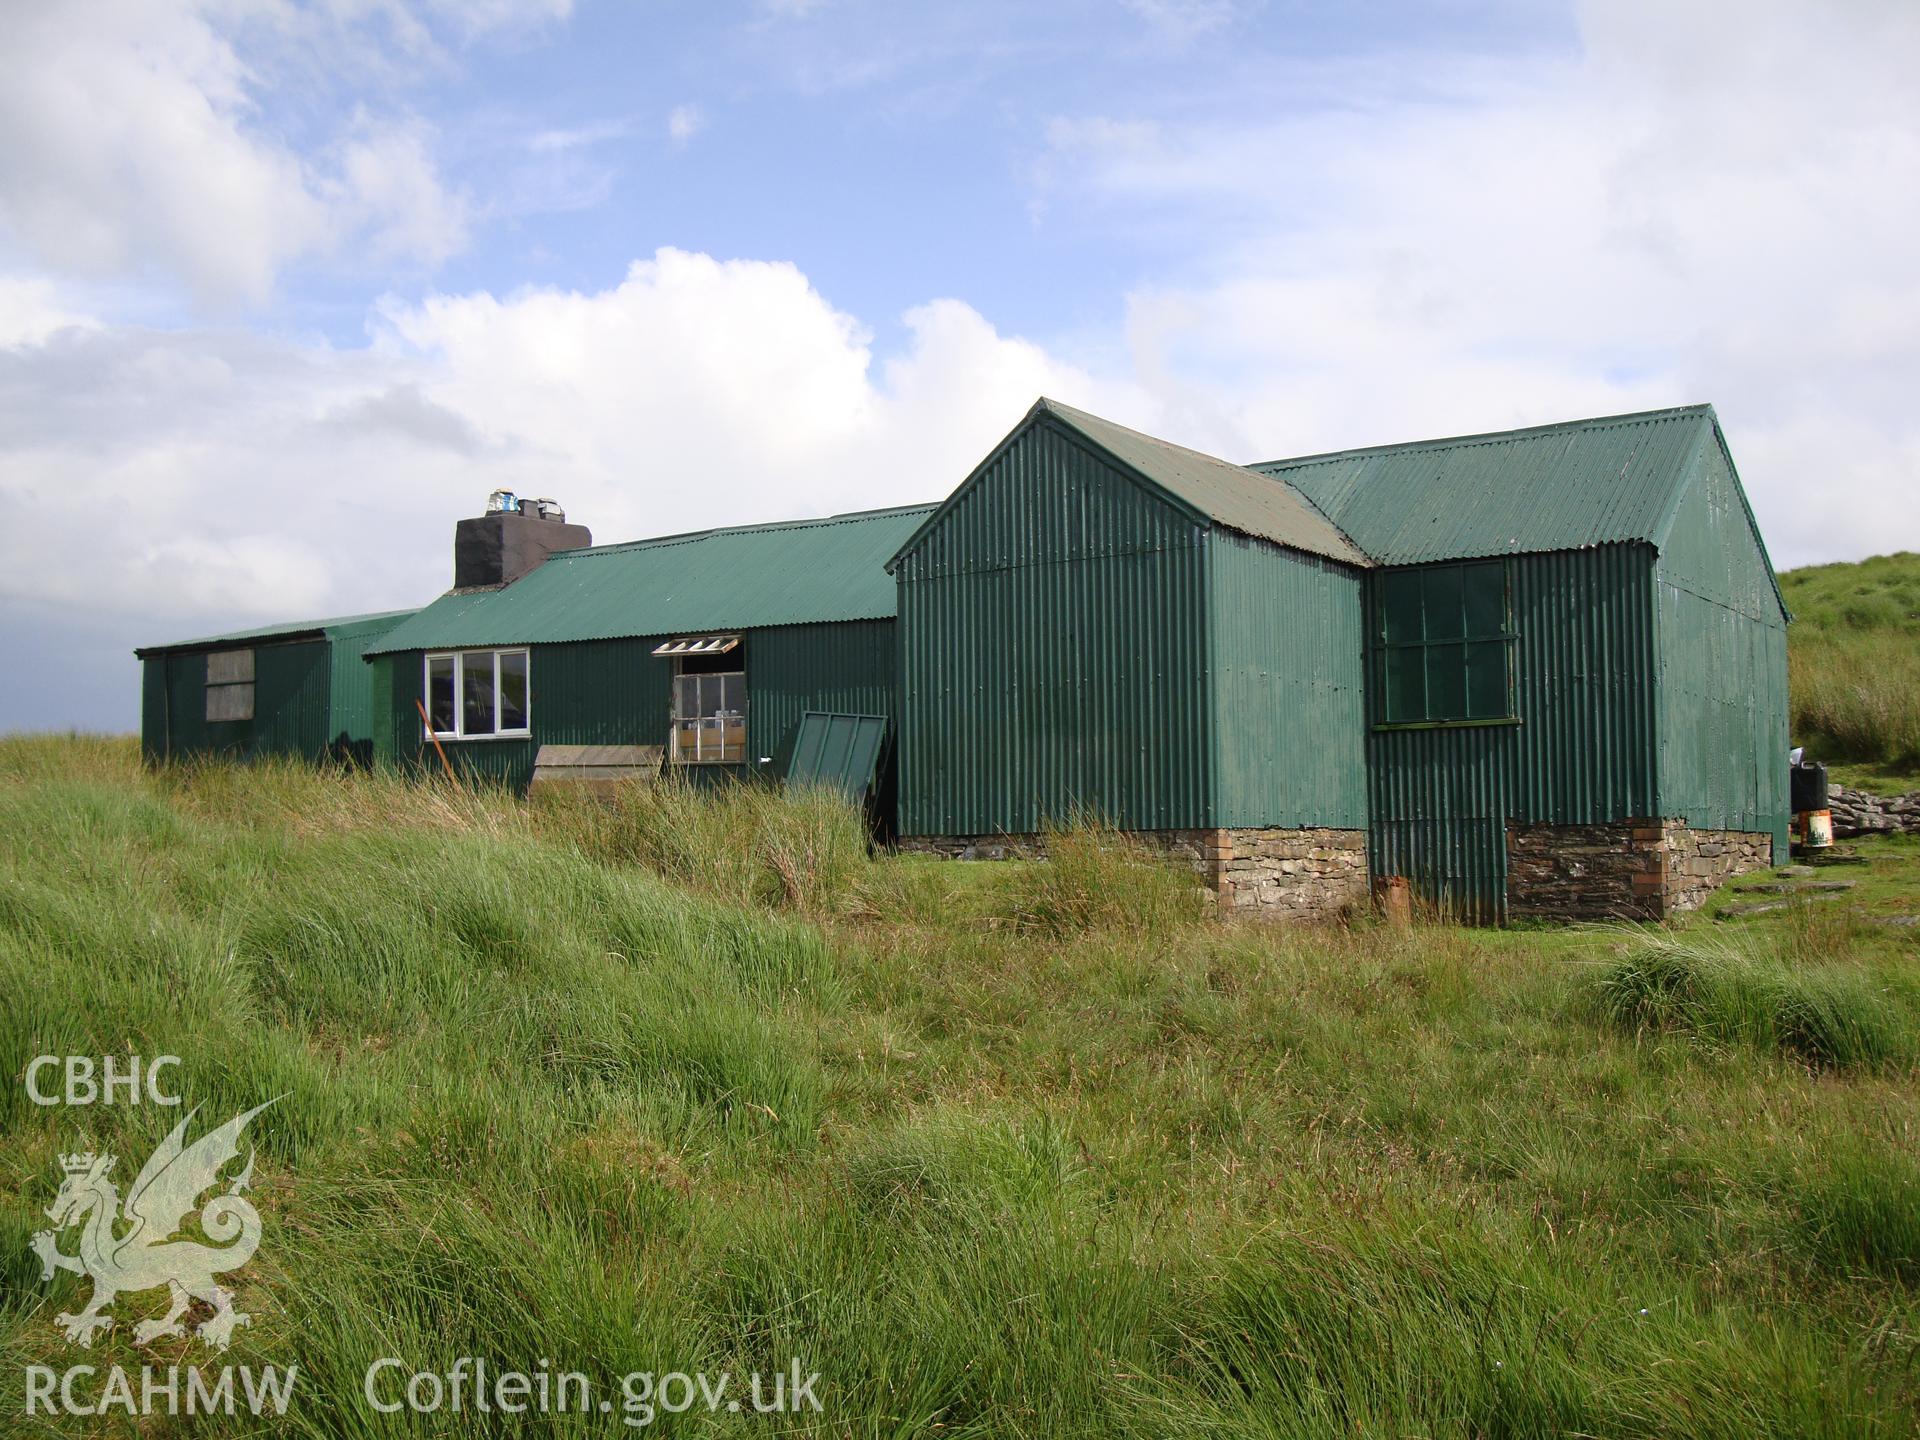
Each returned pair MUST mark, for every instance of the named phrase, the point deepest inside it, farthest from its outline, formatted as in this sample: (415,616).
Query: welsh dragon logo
(132,1247)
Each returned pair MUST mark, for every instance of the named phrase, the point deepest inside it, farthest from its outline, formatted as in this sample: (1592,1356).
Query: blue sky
(286,288)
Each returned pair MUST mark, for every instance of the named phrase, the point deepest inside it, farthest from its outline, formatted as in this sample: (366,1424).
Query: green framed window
(1444,645)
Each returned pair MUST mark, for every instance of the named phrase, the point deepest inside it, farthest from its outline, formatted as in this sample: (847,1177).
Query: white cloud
(1179,21)
(166,483)
(476,17)
(1683,211)
(131,144)
(685,122)
(31,309)
(389,192)
(579,136)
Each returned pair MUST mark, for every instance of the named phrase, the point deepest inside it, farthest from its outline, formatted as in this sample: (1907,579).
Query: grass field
(1856,668)
(1029,1149)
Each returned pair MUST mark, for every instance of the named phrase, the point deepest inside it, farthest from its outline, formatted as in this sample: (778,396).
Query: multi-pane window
(477,694)
(1444,644)
(230,685)
(709,699)
(710,717)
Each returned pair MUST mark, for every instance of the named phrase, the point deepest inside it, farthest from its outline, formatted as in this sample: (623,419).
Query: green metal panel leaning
(296,689)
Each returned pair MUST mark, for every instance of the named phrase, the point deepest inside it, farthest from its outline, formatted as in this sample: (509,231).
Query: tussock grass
(1728,990)
(1859,1211)
(1032,1149)
(749,843)
(1096,878)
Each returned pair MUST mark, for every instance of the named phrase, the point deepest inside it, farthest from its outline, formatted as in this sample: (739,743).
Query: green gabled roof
(1552,487)
(1214,491)
(341,627)
(796,572)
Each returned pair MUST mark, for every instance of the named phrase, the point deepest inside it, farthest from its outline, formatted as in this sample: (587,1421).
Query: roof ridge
(1056,407)
(684,537)
(1484,437)
(1104,433)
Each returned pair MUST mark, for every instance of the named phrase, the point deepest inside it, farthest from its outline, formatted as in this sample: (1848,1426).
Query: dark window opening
(1444,645)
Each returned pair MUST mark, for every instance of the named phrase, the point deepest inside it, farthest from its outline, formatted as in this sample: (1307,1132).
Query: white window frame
(699,754)
(461,660)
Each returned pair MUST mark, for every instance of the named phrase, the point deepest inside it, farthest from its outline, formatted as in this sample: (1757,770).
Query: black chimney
(514,537)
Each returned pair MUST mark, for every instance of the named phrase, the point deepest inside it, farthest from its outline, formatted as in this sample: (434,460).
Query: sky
(287,288)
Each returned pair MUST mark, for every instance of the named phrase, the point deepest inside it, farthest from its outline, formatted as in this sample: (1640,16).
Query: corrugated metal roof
(1553,487)
(1230,495)
(339,627)
(747,577)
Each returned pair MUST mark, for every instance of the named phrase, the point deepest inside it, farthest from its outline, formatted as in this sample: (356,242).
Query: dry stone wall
(1626,870)
(1860,812)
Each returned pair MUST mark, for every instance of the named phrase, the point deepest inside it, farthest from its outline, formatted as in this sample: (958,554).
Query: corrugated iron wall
(1583,751)
(154,708)
(1722,667)
(1053,652)
(290,705)
(617,692)
(350,696)
(846,666)
(1287,640)
(595,692)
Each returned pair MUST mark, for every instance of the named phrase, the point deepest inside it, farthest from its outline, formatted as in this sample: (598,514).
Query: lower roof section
(340,627)
(799,572)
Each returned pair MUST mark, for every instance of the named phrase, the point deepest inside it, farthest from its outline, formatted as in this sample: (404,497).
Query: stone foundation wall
(974,847)
(1624,870)
(1290,874)
(1269,873)
(1699,861)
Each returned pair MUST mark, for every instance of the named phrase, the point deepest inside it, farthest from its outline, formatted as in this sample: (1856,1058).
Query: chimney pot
(513,538)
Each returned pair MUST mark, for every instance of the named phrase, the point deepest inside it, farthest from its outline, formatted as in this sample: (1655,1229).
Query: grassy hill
(1854,652)
(1033,1149)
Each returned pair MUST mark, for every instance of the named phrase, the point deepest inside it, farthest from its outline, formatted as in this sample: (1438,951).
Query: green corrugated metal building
(1634,650)
(1099,623)
(298,689)
(711,644)
(1535,672)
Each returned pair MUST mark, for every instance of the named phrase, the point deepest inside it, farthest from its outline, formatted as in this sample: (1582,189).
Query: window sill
(1444,724)
(444,738)
(677,760)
